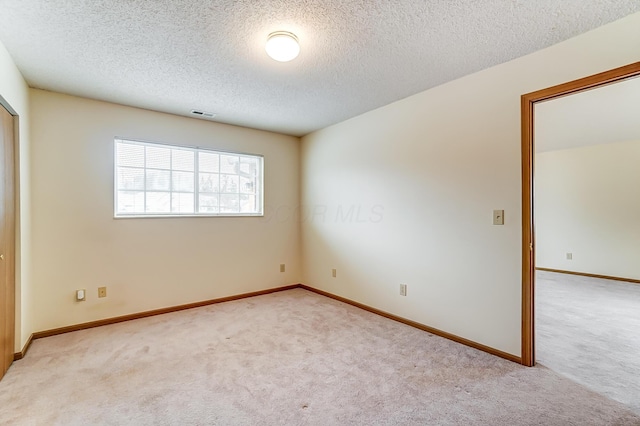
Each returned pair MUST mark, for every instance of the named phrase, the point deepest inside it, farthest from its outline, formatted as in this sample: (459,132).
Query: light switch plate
(403,289)
(498,217)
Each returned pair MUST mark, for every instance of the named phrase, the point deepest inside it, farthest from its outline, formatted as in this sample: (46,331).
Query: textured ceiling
(603,115)
(357,55)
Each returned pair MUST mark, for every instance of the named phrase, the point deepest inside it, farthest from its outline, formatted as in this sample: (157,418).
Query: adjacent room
(587,229)
(300,212)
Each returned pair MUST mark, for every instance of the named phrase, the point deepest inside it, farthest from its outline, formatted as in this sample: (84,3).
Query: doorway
(587,233)
(7,240)
(587,306)
(528,102)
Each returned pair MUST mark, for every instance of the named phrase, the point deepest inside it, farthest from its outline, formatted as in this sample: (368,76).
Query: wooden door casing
(7,240)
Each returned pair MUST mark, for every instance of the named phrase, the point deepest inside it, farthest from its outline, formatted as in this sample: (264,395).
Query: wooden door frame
(528,153)
(9,181)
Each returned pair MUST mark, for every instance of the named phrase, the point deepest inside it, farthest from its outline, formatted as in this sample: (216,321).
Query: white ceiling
(603,115)
(357,55)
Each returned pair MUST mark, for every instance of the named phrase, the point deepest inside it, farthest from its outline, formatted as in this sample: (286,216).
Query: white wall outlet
(282,267)
(403,289)
(81,295)
(498,217)
(569,256)
(333,273)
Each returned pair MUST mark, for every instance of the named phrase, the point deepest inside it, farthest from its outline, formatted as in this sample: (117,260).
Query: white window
(163,180)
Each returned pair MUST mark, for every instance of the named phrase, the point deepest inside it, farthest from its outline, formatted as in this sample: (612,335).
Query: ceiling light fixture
(282,46)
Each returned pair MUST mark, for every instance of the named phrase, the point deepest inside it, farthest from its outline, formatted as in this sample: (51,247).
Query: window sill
(173,216)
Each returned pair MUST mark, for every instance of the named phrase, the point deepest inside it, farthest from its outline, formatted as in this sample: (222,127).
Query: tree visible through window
(164,180)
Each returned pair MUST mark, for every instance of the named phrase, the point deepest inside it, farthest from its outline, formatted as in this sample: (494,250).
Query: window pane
(182,160)
(158,202)
(208,203)
(247,186)
(130,202)
(209,162)
(129,178)
(130,155)
(209,182)
(158,158)
(248,166)
(158,180)
(182,181)
(229,164)
(182,203)
(248,203)
(229,203)
(229,183)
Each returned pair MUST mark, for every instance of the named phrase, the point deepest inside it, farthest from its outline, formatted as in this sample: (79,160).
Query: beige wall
(587,204)
(145,263)
(14,91)
(436,164)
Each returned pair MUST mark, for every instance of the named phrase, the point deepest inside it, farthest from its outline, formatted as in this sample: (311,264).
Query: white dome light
(282,46)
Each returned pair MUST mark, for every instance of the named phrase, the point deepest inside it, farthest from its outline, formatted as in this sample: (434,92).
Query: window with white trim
(164,180)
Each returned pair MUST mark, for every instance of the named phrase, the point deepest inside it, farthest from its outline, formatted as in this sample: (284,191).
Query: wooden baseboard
(419,326)
(584,274)
(107,321)
(114,320)
(19,355)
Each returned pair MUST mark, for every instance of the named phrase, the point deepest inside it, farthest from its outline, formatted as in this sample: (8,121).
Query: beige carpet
(588,329)
(289,358)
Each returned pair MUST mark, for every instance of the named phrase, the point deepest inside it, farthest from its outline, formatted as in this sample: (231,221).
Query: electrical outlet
(81,295)
(569,256)
(102,292)
(333,273)
(282,267)
(403,289)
